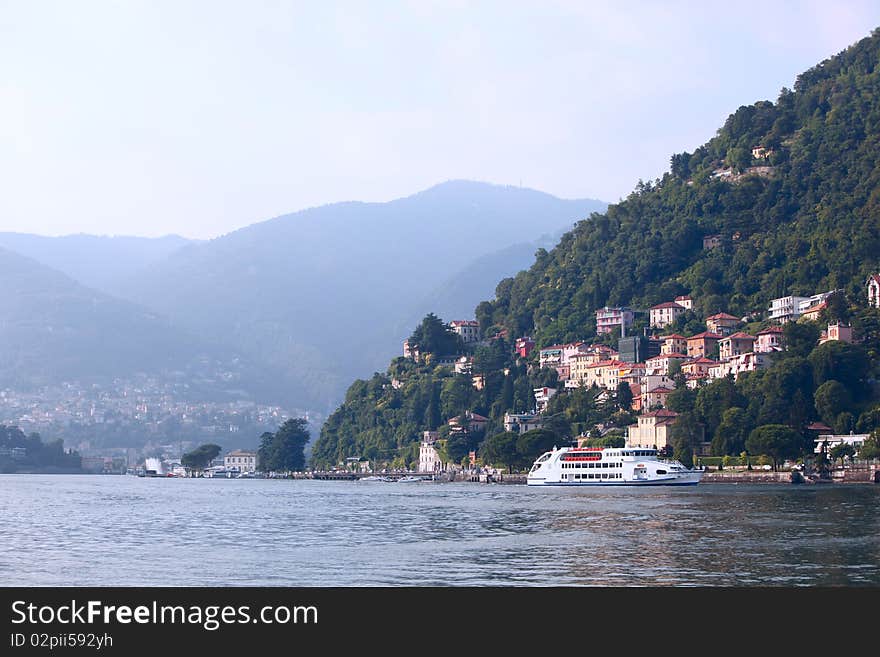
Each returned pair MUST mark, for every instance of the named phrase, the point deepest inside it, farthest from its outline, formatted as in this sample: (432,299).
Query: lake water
(122,530)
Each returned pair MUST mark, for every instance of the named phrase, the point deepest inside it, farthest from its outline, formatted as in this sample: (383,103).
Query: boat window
(659,472)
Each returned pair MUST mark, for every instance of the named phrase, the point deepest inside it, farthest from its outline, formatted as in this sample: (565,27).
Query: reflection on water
(115,530)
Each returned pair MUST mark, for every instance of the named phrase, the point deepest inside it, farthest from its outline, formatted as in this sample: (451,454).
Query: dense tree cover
(809,224)
(284,450)
(201,456)
(38,454)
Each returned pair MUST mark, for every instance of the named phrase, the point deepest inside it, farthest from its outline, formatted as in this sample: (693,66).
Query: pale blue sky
(152,117)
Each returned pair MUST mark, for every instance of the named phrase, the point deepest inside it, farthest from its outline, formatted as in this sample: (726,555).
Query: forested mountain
(790,190)
(96,261)
(328,293)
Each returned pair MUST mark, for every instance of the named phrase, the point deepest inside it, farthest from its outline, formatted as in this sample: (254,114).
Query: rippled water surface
(122,530)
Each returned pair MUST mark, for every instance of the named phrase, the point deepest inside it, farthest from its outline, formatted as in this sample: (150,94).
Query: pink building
(770,339)
(735,345)
(607,319)
(837,331)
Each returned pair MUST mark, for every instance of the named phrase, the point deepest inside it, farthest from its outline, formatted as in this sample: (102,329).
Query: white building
(874,290)
(664,314)
(522,422)
(429,459)
(736,365)
(543,397)
(240,461)
(468,329)
(786,309)
(831,440)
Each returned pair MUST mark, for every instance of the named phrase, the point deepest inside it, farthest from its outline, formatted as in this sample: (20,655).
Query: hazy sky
(198,118)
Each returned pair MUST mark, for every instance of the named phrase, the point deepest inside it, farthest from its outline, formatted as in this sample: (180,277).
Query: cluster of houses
(647,363)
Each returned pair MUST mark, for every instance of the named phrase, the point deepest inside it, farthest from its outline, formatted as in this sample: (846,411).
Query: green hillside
(790,189)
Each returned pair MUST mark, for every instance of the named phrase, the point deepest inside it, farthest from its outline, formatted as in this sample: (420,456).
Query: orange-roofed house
(722,323)
(673,344)
(702,345)
(735,345)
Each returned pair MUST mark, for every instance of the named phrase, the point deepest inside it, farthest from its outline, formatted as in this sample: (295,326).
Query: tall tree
(285,452)
(200,457)
(777,441)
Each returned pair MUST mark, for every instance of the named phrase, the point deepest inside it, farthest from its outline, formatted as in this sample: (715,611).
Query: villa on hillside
(873,285)
(664,314)
(468,329)
(722,323)
(770,339)
(702,345)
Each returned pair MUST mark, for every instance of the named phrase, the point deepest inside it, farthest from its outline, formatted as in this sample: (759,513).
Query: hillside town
(650,362)
(117,425)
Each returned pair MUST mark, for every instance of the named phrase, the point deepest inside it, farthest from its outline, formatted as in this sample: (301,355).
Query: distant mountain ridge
(325,293)
(315,298)
(96,261)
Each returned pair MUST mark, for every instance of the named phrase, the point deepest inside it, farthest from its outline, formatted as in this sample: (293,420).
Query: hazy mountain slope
(53,329)
(98,262)
(320,292)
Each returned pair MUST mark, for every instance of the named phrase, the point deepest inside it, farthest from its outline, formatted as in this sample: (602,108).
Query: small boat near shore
(609,466)
(408,479)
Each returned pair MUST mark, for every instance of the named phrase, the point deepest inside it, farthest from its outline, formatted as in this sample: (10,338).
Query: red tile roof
(740,336)
(667,304)
(705,335)
(663,412)
(722,316)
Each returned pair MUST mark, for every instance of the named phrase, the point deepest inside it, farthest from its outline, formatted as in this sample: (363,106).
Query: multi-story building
(664,314)
(524,346)
(660,364)
(469,422)
(685,302)
(654,429)
(698,366)
(543,397)
(607,319)
(735,345)
(770,339)
(429,458)
(522,422)
(786,309)
(702,345)
(604,374)
(837,331)
(637,348)
(873,285)
(736,365)
(722,323)
(468,329)
(655,397)
(240,461)
(673,344)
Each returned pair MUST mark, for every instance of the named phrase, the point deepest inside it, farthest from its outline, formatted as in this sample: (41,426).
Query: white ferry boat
(609,466)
